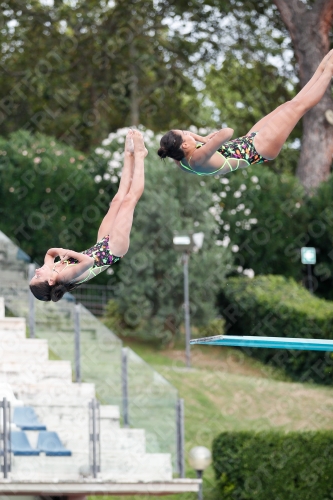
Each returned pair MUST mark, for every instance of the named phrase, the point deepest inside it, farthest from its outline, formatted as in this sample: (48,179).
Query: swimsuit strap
(88,277)
(66,262)
(74,264)
(226,161)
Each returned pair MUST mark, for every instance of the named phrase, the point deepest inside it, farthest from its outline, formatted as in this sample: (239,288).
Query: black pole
(31,304)
(187,310)
(124,385)
(5,441)
(310,284)
(180,437)
(77,343)
(94,438)
(200,492)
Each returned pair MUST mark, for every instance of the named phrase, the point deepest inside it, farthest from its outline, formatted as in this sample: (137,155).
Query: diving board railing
(267,342)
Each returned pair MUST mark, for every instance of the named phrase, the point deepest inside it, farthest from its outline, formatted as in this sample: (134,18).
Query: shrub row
(295,466)
(275,306)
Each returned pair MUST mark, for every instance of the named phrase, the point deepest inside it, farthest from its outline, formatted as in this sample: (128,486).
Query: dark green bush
(214,327)
(275,306)
(295,466)
(268,218)
(48,194)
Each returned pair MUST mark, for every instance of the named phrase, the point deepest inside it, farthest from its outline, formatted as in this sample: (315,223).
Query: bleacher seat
(20,444)
(50,444)
(26,419)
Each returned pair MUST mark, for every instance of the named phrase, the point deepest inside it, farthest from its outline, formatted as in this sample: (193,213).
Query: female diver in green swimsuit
(217,154)
(54,279)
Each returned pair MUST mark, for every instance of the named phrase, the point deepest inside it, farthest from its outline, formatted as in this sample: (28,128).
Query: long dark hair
(44,291)
(170,145)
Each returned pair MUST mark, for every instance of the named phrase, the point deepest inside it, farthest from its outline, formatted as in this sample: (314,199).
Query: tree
(48,194)
(309,24)
(77,70)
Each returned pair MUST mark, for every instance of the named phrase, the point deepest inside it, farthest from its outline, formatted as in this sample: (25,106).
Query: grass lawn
(226,390)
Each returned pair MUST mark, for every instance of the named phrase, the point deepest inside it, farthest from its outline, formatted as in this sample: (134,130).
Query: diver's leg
(271,137)
(122,225)
(261,123)
(124,186)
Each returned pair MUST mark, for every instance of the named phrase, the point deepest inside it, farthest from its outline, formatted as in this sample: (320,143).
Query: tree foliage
(78,70)
(48,194)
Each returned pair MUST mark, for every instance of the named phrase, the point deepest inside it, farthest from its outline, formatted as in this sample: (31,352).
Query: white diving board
(267,342)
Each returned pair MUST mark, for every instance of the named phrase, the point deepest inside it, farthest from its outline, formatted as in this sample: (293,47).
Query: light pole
(309,258)
(186,243)
(200,457)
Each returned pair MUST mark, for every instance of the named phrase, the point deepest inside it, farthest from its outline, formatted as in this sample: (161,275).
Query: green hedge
(275,306)
(295,466)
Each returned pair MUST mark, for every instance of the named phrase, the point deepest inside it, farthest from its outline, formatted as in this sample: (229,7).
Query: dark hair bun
(58,292)
(162,153)
(170,145)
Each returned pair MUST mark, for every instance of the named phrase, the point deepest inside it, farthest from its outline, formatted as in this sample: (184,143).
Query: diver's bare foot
(325,60)
(329,65)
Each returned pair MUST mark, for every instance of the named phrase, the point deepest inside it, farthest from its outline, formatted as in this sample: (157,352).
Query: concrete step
(121,467)
(76,440)
(122,440)
(55,393)
(25,350)
(42,467)
(109,417)
(12,335)
(137,467)
(70,422)
(13,324)
(15,372)
(46,398)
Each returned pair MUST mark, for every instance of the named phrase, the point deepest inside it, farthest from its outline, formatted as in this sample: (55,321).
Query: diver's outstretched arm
(203,154)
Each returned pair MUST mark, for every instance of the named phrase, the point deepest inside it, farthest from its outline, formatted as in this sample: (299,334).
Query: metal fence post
(77,343)
(124,384)
(94,438)
(187,310)
(5,437)
(31,274)
(180,437)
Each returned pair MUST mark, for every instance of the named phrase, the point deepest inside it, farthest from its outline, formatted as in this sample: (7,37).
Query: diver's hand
(129,145)
(210,136)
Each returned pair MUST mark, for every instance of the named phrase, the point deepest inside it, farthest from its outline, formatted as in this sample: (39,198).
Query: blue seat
(20,444)
(26,418)
(50,444)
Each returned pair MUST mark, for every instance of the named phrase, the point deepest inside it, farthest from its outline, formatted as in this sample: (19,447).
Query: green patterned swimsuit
(241,148)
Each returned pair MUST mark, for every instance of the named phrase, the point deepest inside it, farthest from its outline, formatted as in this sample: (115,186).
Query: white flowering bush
(258,214)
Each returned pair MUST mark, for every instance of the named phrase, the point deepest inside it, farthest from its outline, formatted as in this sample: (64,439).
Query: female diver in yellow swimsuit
(74,268)
(217,154)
